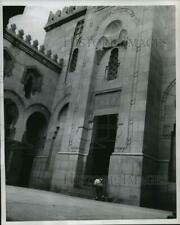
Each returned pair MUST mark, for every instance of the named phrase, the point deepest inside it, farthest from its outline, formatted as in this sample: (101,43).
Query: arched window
(74,60)
(32,81)
(113,65)
(79,28)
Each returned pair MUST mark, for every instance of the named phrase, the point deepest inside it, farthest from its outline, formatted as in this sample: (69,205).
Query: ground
(24,204)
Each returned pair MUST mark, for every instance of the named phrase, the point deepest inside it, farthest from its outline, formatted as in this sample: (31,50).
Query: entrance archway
(102,146)
(34,138)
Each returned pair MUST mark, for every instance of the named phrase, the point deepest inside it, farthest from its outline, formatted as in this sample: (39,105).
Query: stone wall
(41,101)
(162,74)
(146,73)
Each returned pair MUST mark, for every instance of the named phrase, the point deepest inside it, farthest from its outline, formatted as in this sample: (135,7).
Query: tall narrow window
(74,60)
(113,65)
(79,28)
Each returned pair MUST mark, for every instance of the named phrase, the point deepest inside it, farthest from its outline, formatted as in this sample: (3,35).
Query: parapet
(64,16)
(31,47)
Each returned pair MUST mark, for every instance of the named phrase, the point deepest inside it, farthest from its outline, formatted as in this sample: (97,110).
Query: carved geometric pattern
(113,65)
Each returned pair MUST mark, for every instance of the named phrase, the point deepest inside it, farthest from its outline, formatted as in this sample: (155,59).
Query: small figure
(98,184)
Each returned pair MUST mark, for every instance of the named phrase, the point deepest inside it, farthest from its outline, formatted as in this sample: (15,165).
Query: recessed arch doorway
(34,137)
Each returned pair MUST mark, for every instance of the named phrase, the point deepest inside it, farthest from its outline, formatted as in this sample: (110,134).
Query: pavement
(25,204)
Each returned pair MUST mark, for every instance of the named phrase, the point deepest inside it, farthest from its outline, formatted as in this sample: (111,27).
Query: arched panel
(9,94)
(60,104)
(38,108)
(113,28)
(32,81)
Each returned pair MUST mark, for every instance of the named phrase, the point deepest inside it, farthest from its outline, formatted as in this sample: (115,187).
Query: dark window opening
(79,28)
(113,65)
(32,81)
(74,60)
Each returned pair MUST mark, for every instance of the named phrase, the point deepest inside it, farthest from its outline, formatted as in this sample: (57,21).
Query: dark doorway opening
(102,146)
(34,137)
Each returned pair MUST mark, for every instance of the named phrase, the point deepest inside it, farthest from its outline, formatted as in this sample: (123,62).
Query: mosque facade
(97,99)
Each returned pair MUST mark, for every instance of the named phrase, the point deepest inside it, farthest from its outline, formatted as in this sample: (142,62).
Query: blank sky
(33,21)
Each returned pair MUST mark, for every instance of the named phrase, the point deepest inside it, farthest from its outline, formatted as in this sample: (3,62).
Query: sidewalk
(24,204)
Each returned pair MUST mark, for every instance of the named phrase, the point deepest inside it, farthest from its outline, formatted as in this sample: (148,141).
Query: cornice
(57,19)
(33,50)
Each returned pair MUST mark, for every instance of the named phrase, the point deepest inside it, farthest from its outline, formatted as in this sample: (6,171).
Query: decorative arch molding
(12,95)
(124,21)
(60,105)
(38,108)
(167,90)
(113,28)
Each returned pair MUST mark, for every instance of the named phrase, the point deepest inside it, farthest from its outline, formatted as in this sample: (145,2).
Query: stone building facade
(97,99)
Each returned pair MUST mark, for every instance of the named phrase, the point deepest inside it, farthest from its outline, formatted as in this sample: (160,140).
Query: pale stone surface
(142,95)
(35,205)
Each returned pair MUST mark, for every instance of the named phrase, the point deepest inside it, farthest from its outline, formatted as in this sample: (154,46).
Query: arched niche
(113,29)
(36,126)
(10,94)
(59,106)
(121,21)
(61,122)
(32,81)
(38,108)
(33,139)
(17,100)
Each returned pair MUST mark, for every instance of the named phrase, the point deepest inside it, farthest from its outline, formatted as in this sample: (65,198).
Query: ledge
(32,50)
(106,91)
